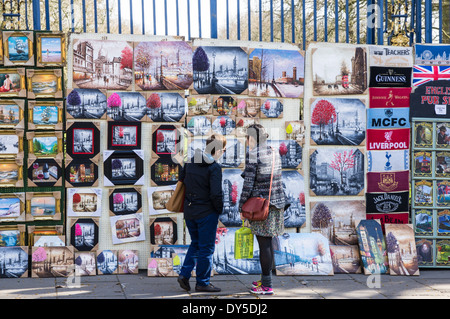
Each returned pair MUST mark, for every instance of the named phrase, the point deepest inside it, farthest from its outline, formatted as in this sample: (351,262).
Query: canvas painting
(336,172)
(12,206)
(345,259)
(125,201)
(339,71)
(49,262)
(126,106)
(107,262)
(224,105)
(44,172)
(128,261)
(163,231)
(338,122)
(49,241)
(176,254)
(271,108)
(249,107)
(160,267)
(86,104)
(11,173)
(243,123)
(220,70)
(372,247)
(81,173)
(14,262)
(166,107)
(12,114)
(294,189)
(127,228)
(50,49)
(162,65)
(199,105)
(12,83)
(84,202)
(45,115)
(85,263)
(158,198)
(102,64)
(199,125)
(401,249)
(425,255)
(302,254)
(295,130)
(232,183)
(84,233)
(337,220)
(223,124)
(276,73)
(234,154)
(290,153)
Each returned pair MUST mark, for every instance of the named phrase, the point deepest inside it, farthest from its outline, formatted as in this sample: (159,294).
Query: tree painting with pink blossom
(342,161)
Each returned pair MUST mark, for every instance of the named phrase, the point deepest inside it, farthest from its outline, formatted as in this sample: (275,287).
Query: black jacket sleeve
(215,182)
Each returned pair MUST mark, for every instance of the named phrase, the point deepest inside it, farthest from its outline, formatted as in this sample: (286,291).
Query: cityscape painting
(13,262)
(165,107)
(86,104)
(232,183)
(401,249)
(126,106)
(49,262)
(127,228)
(290,152)
(107,262)
(372,247)
(345,259)
(294,189)
(85,264)
(84,234)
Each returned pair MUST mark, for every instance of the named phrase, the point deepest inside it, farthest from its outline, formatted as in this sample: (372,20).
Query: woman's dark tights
(266,259)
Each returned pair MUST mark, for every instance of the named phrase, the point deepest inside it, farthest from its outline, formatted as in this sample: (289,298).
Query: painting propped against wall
(346,259)
(401,248)
(372,247)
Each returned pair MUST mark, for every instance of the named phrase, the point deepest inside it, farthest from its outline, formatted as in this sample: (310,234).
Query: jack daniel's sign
(390,77)
(387,202)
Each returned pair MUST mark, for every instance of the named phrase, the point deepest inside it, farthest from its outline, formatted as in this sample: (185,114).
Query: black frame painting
(71,140)
(115,145)
(110,167)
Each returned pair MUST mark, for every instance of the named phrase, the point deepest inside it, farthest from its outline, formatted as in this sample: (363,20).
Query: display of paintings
(290,152)
(423,193)
(86,104)
(294,189)
(338,121)
(443,222)
(125,201)
(128,261)
(220,70)
(424,248)
(276,73)
(224,125)
(423,132)
(442,164)
(166,140)
(45,144)
(110,67)
(442,252)
(12,114)
(84,233)
(11,173)
(234,154)
(224,105)
(295,130)
(126,106)
(50,49)
(302,254)
(43,206)
(127,228)
(163,231)
(243,123)
(166,107)
(12,207)
(18,48)
(44,83)
(50,241)
(372,247)
(44,172)
(336,172)
(199,125)
(339,70)
(85,263)
(12,82)
(232,183)
(160,267)
(422,163)
(49,262)
(43,115)
(401,249)
(107,262)
(14,262)
(443,135)
(11,144)
(81,173)
(164,172)
(271,108)
(423,222)
(13,235)
(337,220)
(158,198)
(84,202)
(223,261)
(199,105)
(345,259)
(124,135)
(123,167)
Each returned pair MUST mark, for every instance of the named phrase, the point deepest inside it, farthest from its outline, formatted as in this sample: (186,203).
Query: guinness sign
(390,77)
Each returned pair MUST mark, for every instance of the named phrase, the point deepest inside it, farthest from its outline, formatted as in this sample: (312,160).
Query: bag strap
(271,175)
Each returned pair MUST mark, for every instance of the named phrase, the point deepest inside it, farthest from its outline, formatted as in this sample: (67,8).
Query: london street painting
(372,247)
(338,121)
(401,248)
(220,70)
(294,189)
(276,73)
(336,172)
(232,183)
(339,71)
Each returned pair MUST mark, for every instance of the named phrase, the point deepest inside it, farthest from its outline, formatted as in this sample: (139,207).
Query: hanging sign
(387,202)
(385,139)
(388,118)
(387,182)
(387,161)
(427,54)
(390,56)
(431,100)
(389,97)
(392,218)
(426,73)
(390,77)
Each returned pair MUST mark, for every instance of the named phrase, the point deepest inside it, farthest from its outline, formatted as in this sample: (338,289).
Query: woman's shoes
(256,284)
(261,290)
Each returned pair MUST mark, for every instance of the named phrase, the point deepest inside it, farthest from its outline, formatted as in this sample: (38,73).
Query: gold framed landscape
(18,48)
(12,207)
(15,233)
(45,115)
(43,206)
(12,114)
(45,83)
(45,145)
(11,144)
(11,173)
(50,49)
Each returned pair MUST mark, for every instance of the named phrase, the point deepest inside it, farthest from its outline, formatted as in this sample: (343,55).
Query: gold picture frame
(33,230)
(35,151)
(44,83)
(46,46)
(8,141)
(12,215)
(18,48)
(20,228)
(41,125)
(12,114)
(12,169)
(12,82)
(40,206)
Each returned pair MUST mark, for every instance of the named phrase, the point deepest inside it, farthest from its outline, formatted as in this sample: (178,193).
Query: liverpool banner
(388,139)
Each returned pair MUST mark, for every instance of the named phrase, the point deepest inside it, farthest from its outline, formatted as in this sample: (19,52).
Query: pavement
(430,284)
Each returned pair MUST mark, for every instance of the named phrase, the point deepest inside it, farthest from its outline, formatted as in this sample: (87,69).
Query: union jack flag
(426,73)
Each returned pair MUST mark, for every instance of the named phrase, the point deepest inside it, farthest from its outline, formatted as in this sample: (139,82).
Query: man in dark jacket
(203,203)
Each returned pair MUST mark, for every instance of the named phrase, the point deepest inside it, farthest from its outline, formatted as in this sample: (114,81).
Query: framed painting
(160,267)
(49,262)
(82,140)
(158,198)
(199,125)
(107,262)
(442,252)
(45,145)
(123,167)
(248,107)
(234,153)
(423,134)
(50,49)
(372,247)
(271,109)
(166,140)
(294,187)
(425,254)
(44,172)
(199,105)
(45,115)
(242,123)
(290,151)
(50,241)
(422,163)
(164,172)
(18,48)
(13,83)
(124,135)
(295,130)
(84,201)
(163,231)
(84,233)
(11,144)
(44,83)
(11,173)
(86,104)
(12,207)
(126,106)
(128,261)
(442,164)
(12,235)
(43,206)
(81,173)
(166,107)
(35,232)
(224,105)
(85,263)
(12,114)
(423,193)
(423,222)
(223,124)
(127,228)
(125,201)
(18,262)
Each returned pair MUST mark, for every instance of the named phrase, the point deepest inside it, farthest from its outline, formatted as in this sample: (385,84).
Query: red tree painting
(343,161)
(323,113)
(126,61)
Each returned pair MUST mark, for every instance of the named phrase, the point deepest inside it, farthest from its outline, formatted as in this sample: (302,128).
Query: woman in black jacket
(203,203)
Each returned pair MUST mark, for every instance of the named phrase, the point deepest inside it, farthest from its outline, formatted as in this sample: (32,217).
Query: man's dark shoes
(184,283)
(209,288)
